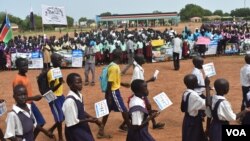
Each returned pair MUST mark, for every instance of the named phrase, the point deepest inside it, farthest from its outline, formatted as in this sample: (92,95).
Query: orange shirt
(19,79)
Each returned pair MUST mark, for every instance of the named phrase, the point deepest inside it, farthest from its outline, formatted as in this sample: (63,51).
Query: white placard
(76,61)
(56,73)
(53,15)
(156,74)
(3,108)
(209,69)
(49,96)
(101,108)
(162,101)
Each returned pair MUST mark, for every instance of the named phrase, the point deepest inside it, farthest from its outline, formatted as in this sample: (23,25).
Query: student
(246,119)
(177,45)
(90,63)
(21,121)
(139,115)
(56,85)
(138,73)
(113,95)
(1,132)
(21,78)
(76,118)
(245,79)
(192,129)
(221,111)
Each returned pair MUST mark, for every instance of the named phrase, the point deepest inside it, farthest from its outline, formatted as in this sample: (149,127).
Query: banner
(53,15)
(35,59)
(77,58)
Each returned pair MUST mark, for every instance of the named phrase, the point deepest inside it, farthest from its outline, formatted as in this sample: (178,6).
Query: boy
(221,111)
(138,131)
(76,118)
(245,79)
(21,121)
(90,63)
(57,88)
(191,103)
(113,95)
(198,62)
(21,78)
(138,73)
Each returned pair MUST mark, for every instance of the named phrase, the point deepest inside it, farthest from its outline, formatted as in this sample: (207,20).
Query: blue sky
(91,8)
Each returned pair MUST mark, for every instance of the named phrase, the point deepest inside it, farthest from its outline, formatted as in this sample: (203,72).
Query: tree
(241,12)
(106,14)
(207,12)
(157,12)
(90,21)
(70,21)
(82,19)
(218,12)
(226,14)
(191,10)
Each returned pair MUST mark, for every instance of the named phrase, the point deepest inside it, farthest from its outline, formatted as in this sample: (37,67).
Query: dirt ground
(169,81)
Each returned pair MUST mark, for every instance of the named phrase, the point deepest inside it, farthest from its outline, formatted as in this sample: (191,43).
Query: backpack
(104,77)
(43,84)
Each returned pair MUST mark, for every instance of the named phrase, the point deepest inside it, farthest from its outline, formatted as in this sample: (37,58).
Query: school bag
(42,81)
(104,77)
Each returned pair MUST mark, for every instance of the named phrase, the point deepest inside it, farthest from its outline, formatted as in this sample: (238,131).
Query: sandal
(159,125)
(104,136)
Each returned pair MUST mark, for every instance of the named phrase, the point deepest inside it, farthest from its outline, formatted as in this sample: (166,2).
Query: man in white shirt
(245,79)
(177,45)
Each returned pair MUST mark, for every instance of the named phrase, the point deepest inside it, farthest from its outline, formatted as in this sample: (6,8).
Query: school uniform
(138,72)
(138,113)
(192,129)
(73,109)
(245,82)
(20,123)
(221,114)
(198,73)
(246,119)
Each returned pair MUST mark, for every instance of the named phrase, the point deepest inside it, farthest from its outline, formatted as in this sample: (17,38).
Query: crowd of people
(111,47)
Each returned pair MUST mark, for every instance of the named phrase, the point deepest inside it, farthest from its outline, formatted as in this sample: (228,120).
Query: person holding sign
(139,115)
(21,78)
(191,103)
(90,63)
(76,118)
(138,73)
(20,122)
(221,111)
(56,86)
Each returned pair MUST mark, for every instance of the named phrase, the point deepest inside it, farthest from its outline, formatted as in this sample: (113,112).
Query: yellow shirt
(114,76)
(59,91)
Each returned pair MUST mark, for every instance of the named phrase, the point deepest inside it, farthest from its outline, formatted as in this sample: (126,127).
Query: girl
(21,121)
(138,130)
(76,118)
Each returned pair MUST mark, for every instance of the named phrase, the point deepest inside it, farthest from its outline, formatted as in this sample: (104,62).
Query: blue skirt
(141,134)
(79,132)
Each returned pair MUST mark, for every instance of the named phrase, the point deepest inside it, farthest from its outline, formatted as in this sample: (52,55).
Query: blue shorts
(56,108)
(115,102)
(37,114)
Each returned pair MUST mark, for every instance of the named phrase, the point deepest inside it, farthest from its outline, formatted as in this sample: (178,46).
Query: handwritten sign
(49,96)
(101,108)
(162,101)
(209,69)
(156,74)
(3,108)
(56,73)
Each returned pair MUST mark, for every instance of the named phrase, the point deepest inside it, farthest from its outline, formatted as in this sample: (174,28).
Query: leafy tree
(191,10)
(226,14)
(70,21)
(218,12)
(90,21)
(156,12)
(82,19)
(207,12)
(241,12)
(106,14)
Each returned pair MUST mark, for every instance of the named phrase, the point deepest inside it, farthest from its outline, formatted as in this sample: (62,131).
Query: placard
(209,69)
(3,108)
(56,73)
(49,96)
(162,101)
(101,108)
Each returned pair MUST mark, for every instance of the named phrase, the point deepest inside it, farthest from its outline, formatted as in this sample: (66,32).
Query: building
(138,20)
(195,19)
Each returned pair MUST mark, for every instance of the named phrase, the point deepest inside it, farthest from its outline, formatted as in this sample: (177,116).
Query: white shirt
(245,75)
(177,44)
(137,116)
(200,78)
(195,102)
(138,72)
(225,112)
(70,110)
(13,124)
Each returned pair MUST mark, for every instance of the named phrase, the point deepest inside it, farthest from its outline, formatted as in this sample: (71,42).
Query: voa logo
(236,132)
